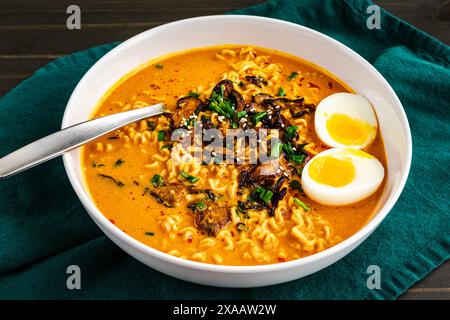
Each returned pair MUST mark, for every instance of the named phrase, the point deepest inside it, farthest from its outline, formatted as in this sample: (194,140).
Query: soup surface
(212,210)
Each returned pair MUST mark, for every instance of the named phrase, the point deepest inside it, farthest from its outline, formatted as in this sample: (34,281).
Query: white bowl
(269,33)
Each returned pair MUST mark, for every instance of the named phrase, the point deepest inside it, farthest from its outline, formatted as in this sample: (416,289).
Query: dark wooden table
(33,33)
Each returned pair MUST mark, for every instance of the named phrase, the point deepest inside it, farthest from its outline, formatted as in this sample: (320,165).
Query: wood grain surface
(33,33)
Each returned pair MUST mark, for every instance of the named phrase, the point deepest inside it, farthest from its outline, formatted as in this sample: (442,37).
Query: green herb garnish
(188,177)
(118,163)
(241,114)
(295,185)
(298,158)
(194,94)
(161,135)
(281,92)
(222,106)
(151,124)
(262,194)
(149,233)
(258,117)
(276,149)
(157,181)
(201,206)
(290,132)
(159,66)
(293,155)
(167,146)
(292,76)
(301,204)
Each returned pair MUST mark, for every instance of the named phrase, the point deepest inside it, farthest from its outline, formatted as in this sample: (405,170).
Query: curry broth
(141,216)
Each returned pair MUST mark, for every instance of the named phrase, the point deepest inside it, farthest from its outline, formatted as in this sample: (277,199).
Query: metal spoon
(70,138)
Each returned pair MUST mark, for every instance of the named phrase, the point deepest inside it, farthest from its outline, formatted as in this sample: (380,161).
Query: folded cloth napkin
(44,229)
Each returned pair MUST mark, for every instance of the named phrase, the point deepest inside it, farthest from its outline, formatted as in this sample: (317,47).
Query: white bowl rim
(147,250)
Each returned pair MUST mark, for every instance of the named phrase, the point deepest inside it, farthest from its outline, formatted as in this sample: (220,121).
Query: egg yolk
(331,171)
(348,131)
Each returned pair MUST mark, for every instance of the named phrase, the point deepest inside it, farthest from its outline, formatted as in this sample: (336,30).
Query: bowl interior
(263,32)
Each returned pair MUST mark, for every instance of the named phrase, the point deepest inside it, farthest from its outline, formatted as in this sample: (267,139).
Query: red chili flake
(330,85)
(112,221)
(232,233)
(312,85)
(189,240)
(281,259)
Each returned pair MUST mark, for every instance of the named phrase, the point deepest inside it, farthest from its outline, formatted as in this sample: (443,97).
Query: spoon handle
(70,138)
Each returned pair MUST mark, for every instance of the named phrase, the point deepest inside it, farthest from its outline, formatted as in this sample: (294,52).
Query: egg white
(369,174)
(349,104)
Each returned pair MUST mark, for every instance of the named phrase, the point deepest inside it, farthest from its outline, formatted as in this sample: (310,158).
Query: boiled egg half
(341,176)
(346,120)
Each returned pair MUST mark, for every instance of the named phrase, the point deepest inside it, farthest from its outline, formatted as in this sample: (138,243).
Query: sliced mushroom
(212,219)
(277,197)
(264,174)
(259,98)
(227,87)
(186,107)
(167,195)
(256,80)
(237,98)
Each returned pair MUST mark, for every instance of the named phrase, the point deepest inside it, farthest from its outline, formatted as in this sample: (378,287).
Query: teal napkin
(44,229)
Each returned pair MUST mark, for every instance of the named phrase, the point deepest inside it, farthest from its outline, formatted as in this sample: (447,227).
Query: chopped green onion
(276,149)
(241,114)
(151,124)
(161,135)
(201,206)
(222,106)
(267,196)
(157,181)
(293,155)
(298,158)
(159,66)
(295,185)
(281,92)
(301,204)
(149,233)
(290,132)
(167,146)
(258,117)
(188,177)
(292,76)
(194,94)
(263,194)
